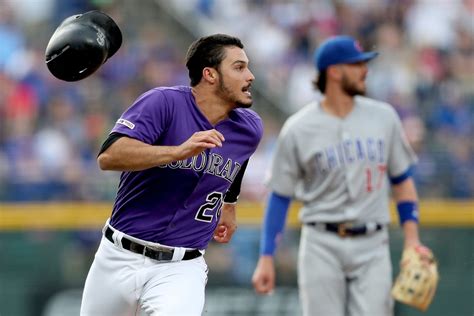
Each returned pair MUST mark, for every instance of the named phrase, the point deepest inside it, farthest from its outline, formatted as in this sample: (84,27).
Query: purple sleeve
(146,118)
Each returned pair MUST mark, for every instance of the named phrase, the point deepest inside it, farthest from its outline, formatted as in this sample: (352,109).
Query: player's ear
(209,74)
(334,72)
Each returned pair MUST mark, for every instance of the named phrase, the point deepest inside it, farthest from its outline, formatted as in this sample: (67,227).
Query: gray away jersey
(340,168)
(178,204)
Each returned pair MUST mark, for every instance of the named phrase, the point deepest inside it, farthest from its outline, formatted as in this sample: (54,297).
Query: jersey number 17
(374,178)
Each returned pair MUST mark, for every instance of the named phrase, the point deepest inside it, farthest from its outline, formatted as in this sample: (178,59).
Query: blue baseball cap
(340,49)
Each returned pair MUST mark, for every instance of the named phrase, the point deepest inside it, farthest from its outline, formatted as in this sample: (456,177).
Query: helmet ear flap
(81,44)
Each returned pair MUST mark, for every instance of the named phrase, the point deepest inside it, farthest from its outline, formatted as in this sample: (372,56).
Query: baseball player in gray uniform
(182,151)
(339,157)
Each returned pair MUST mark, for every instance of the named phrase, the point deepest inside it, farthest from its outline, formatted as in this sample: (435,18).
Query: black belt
(347,229)
(162,254)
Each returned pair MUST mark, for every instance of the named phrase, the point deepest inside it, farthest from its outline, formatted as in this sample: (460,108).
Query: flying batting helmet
(81,44)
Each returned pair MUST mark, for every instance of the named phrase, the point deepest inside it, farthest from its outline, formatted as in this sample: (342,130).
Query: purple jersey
(178,204)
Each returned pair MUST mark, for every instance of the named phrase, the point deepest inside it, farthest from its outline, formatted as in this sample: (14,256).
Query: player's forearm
(128,154)
(406,198)
(410,231)
(273,223)
(405,191)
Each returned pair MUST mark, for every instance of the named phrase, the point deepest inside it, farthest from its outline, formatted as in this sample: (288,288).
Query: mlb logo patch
(126,123)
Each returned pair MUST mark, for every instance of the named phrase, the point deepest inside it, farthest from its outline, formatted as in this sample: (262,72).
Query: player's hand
(263,278)
(199,142)
(425,254)
(227,224)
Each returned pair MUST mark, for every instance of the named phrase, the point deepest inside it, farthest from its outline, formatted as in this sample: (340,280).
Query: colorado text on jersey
(208,163)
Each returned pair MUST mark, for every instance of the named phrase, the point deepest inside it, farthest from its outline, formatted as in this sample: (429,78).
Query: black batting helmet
(81,44)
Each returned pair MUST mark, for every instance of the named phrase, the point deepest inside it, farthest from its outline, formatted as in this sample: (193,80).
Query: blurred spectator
(10,35)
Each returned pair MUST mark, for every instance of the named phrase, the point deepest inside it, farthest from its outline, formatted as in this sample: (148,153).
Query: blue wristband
(407,211)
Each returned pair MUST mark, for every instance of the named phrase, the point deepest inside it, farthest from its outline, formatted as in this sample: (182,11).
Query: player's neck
(337,104)
(210,105)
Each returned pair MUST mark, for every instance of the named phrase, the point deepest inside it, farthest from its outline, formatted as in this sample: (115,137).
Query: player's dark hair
(320,81)
(208,52)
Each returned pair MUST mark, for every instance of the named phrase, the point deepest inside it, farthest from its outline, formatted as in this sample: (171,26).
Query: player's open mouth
(246,90)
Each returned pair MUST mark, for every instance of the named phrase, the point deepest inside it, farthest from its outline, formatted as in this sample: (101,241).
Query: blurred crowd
(50,131)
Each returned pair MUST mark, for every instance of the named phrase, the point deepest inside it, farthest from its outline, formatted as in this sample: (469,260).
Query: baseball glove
(418,278)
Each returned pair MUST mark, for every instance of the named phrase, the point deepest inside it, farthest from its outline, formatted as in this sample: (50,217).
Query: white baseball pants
(123,283)
(349,276)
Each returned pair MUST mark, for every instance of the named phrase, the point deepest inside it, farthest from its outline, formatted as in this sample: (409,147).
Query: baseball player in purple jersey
(340,157)
(182,152)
